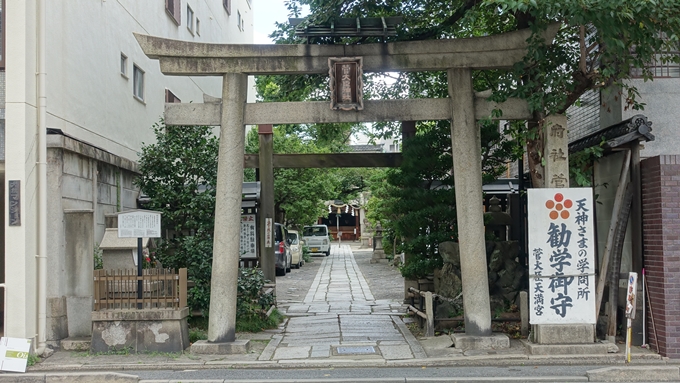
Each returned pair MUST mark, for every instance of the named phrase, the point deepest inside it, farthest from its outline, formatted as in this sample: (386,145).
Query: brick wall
(661,241)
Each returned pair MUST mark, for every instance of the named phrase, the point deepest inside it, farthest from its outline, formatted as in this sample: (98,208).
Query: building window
(173,8)
(123,65)
(190,19)
(170,97)
(663,64)
(2,34)
(138,83)
(660,67)
(198,26)
(227,6)
(239,21)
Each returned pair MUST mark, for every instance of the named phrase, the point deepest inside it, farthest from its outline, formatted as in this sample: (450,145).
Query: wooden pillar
(224,280)
(467,165)
(266,167)
(636,208)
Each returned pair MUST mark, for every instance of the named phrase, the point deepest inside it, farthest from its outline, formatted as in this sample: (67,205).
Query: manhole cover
(355,350)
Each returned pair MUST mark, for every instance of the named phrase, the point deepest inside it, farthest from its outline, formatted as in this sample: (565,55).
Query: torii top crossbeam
(187,58)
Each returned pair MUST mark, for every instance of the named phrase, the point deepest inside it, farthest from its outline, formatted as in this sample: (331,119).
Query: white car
(295,249)
(317,239)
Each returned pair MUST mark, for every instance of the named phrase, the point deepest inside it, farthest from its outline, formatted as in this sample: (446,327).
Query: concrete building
(78,99)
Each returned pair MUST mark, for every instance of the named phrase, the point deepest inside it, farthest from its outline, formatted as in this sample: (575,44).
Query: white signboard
(14,354)
(268,231)
(139,224)
(248,248)
(561,256)
(631,295)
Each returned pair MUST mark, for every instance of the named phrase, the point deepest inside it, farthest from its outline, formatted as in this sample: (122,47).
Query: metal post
(266,173)
(140,284)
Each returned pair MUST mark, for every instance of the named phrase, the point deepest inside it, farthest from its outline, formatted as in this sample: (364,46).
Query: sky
(266,13)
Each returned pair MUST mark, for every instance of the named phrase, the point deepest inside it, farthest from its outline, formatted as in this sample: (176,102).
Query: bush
(251,301)
(418,266)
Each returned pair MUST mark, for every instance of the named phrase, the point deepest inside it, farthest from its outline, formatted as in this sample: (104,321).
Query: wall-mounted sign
(561,256)
(248,247)
(347,91)
(139,224)
(268,232)
(14,203)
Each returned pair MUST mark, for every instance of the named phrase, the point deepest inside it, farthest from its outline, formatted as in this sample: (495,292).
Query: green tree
(299,194)
(597,45)
(177,173)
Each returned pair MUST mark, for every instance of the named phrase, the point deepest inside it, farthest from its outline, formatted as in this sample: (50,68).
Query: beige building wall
(90,100)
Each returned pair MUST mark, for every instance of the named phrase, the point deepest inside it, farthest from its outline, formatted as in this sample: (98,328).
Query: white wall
(20,164)
(661,98)
(89,98)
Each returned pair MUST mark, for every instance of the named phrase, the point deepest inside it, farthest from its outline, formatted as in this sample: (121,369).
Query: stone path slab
(340,310)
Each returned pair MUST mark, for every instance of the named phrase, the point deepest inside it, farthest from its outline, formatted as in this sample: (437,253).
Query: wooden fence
(161,289)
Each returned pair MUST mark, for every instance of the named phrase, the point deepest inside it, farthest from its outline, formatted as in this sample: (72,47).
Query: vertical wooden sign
(346,83)
(556,152)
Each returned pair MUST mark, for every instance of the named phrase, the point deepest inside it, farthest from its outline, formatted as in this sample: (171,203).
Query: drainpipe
(42,178)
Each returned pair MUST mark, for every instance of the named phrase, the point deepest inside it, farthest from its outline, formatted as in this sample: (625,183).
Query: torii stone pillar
(224,280)
(467,170)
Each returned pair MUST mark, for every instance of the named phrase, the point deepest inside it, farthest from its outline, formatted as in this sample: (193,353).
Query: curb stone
(80,377)
(635,374)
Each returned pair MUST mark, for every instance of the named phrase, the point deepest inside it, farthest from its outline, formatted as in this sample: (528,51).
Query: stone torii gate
(235,62)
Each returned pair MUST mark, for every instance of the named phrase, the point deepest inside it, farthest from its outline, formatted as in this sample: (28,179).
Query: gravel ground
(294,286)
(384,279)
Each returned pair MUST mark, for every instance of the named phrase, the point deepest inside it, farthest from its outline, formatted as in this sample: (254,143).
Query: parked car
(282,249)
(295,249)
(317,239)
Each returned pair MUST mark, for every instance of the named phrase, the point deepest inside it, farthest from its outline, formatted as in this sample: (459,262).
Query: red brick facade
(661,241)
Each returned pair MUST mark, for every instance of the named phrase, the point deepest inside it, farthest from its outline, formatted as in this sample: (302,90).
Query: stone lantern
(378,252)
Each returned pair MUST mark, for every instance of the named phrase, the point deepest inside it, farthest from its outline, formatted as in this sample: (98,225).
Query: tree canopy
(598,44)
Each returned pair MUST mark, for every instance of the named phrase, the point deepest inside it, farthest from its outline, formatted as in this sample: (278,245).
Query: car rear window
(279,233)
(293,238)
(315,231)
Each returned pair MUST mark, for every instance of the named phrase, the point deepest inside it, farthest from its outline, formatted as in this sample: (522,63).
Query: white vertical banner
(561,256)
(268,232)
(631,295)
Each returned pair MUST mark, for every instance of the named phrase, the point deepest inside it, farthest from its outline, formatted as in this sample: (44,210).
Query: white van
(317,239)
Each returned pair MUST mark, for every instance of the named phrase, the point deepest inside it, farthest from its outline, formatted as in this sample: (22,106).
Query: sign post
(139,224)
(248,249)
(631,297)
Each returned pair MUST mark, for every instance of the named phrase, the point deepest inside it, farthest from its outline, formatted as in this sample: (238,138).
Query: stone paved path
(339,318)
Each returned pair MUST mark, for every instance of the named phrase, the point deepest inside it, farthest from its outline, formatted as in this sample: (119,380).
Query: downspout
(42,178)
